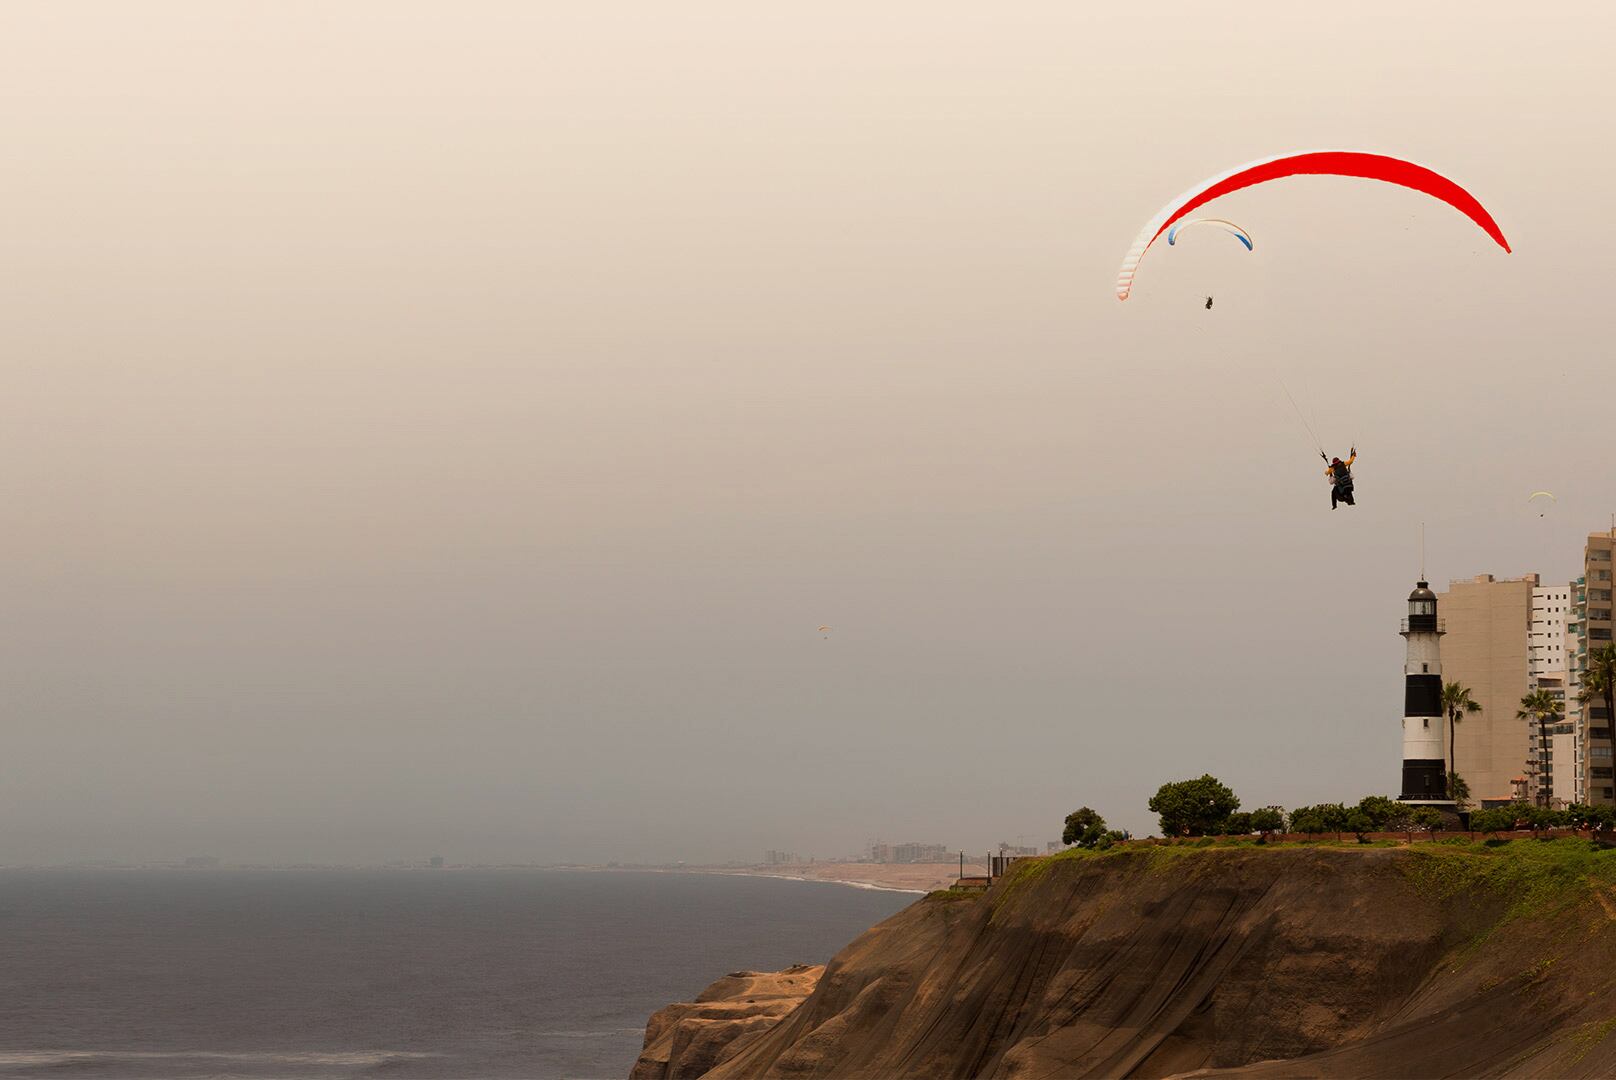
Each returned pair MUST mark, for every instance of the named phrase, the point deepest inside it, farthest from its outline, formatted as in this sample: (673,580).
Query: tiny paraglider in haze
(1542,501)
(826,631)
(1227,226)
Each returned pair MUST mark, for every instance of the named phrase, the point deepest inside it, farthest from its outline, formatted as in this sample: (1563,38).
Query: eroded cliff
(1432,960)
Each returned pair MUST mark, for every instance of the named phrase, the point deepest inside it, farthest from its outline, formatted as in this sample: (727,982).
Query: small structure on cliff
(1425,777)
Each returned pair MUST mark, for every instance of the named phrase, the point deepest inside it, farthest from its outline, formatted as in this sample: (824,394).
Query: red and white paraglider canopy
(1313,162)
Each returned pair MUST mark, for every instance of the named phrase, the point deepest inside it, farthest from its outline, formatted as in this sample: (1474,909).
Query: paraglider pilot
(1339,473)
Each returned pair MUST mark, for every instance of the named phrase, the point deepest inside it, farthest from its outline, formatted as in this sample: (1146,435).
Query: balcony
(1425,624)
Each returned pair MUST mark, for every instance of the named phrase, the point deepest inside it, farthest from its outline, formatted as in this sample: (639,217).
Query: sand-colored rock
(689,1038)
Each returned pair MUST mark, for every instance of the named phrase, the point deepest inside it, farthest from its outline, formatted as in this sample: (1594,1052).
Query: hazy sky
(441,427)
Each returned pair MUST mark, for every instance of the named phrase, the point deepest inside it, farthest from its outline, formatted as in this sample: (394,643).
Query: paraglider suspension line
(1316,442)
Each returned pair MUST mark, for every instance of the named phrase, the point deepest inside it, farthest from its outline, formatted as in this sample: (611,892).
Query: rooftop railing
(1425,623)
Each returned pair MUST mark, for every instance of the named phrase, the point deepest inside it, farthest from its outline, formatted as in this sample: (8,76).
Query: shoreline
(870,885)
(915,879)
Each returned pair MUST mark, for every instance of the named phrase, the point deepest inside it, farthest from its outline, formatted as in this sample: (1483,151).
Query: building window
(1601,772)
(1599,752)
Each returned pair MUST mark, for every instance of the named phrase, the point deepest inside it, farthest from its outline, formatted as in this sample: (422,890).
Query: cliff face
(688,1039)
(1426,961)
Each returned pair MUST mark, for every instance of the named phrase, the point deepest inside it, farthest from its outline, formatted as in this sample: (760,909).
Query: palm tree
(1456,701)
(1599,680)
(1541,707)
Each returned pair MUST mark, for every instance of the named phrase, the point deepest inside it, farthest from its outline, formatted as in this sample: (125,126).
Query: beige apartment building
(1592,630)
(1488,649)
(1508,636)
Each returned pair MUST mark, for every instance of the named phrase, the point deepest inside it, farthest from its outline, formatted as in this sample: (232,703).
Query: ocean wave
(245,1057)
(867,885)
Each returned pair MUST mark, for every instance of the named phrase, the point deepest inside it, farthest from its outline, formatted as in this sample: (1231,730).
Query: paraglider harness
(1340,476)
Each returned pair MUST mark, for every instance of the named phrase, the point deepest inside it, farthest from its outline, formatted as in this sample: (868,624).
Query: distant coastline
(849,882)
(913,878)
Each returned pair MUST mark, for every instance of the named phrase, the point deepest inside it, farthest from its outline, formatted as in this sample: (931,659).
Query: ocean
(368,973)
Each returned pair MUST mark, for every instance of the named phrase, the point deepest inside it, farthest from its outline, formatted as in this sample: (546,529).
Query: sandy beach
(904,877)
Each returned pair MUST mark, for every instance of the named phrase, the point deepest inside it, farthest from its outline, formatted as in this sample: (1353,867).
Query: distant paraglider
(1353,163)
(1541,501)
(826,631)
(1227,226)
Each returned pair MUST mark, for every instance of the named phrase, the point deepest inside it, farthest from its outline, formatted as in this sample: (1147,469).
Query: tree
(1360,823)
(1458,791)
(1194,807)
(1381,811)
(1500,818)
(1307,819)
(1456,702)
(1541,817)
(1599,680)
(1236,824)
(1270,819)
(1541,707)
(1085,828)
(1323,818)
(1599,819)
(1425,819)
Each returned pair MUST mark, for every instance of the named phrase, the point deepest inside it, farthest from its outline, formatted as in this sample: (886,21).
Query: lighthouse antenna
(1422,552)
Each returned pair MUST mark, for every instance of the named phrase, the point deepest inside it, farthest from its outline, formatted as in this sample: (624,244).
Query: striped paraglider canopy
(1382,167)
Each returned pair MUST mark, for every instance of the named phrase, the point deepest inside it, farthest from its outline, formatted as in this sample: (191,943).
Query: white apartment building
(1550,652)
(1551,610)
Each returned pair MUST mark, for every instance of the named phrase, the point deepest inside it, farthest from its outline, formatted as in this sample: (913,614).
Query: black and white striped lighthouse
(1425,774)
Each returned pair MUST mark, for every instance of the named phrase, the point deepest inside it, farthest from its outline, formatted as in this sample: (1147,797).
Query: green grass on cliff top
(1531,879)
(1535,875)
(1531,875)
